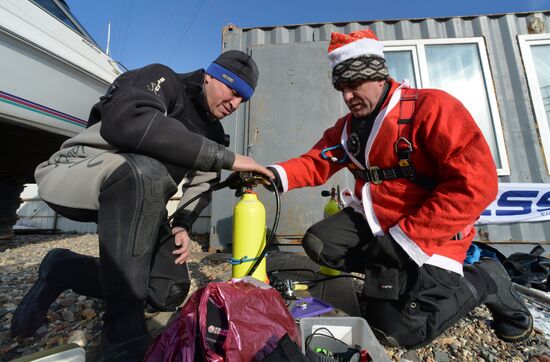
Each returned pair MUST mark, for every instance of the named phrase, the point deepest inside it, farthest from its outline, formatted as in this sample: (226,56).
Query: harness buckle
(374,177)
(407,143)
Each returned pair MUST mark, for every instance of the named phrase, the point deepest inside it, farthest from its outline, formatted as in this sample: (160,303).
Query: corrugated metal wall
(36,214)
(281,46)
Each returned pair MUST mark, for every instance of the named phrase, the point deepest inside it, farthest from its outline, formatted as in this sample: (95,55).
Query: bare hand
(182,241)
(245,163)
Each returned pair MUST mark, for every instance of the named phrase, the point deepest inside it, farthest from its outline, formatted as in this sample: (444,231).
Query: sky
(187,34)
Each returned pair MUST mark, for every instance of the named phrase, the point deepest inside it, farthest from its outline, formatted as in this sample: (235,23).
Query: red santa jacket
(448,147)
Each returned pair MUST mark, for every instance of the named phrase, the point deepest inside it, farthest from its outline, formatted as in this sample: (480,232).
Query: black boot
(125,336)
(57,272)
(132,350)
(512,320)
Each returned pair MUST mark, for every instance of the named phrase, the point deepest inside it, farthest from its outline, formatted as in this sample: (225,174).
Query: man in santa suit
(423,174)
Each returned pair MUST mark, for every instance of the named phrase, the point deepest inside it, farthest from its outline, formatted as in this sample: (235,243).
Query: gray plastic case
(361,334)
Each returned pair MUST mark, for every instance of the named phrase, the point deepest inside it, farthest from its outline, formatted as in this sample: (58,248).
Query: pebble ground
(75,318)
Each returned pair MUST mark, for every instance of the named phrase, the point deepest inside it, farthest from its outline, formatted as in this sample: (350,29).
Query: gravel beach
(75,318)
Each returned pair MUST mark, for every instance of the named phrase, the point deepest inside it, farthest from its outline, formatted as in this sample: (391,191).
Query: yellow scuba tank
(331,207)
(249,233)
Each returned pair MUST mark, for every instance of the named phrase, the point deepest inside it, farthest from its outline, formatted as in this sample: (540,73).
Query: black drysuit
(151,130)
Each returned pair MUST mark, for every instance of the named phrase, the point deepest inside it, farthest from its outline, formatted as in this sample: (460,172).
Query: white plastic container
(350,330)
(66,353)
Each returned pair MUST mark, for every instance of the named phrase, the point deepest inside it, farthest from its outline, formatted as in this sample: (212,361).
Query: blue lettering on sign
(544,203)
(523,205)
(520,202)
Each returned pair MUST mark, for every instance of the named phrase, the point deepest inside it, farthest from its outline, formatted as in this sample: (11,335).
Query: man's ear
(207,78)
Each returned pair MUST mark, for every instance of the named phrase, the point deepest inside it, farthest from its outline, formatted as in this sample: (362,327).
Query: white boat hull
(42,91)
(51,75)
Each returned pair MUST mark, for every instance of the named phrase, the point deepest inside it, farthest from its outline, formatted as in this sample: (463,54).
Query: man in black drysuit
(151,130)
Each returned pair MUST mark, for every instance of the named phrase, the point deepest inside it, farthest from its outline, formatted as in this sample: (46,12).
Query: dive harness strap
(403,147)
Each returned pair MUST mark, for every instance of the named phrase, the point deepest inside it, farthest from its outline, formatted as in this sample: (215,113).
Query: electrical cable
(324,354)
(219,11)
(316,333)
(330,278)
(173,7)
(128,15)
(310,283)
(117,22)
(293,270)
(186,28)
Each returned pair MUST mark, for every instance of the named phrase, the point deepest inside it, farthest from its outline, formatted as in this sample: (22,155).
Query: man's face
(222,100)
(362,96)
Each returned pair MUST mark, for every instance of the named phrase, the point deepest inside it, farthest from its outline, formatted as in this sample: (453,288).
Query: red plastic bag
(257,317)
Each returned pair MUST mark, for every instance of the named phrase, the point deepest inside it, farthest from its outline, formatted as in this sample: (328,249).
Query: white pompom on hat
(359,43)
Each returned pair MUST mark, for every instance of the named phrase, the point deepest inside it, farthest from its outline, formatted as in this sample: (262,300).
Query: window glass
(456,68)
(541,54)
(400,65)
(54,9)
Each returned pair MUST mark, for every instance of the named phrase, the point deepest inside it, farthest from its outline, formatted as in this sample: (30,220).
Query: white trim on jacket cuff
(410,247)
(420,257)
(282,175)
(446,263)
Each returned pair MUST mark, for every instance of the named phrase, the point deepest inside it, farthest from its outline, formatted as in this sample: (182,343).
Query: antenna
(108,36)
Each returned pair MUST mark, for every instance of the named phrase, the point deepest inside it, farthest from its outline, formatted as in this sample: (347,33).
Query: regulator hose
(273,229)
(216,187)
(245,179)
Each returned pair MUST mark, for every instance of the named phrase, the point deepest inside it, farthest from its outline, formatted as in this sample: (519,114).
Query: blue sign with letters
(518,202)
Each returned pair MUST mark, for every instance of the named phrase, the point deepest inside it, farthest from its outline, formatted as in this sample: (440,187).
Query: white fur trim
(348,199)
(410,247)
(420,257)
(446,263)
(365,46)
(282,175)
(369,211)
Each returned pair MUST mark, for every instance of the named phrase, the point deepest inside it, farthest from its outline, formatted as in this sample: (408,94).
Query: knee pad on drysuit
(313,247)
(132,206)
(138,193)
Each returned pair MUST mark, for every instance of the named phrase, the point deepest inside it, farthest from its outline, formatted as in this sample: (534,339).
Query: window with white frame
(535,51)
(461,68)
